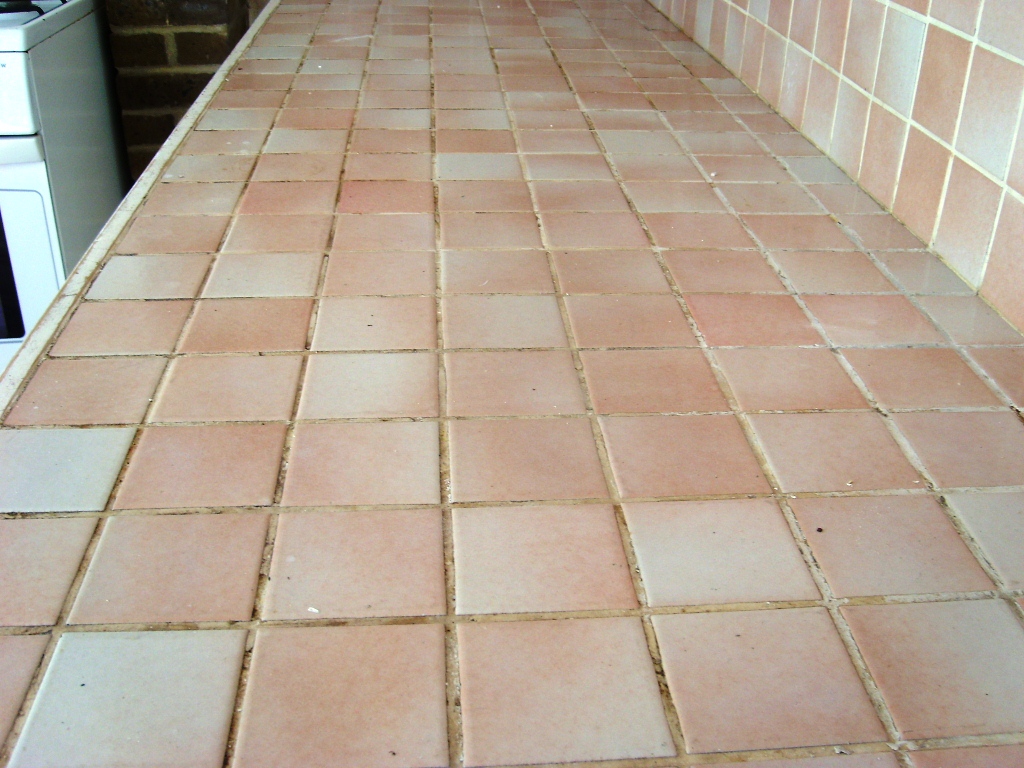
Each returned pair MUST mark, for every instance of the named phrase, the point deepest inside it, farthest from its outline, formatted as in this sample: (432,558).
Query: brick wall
(165,52)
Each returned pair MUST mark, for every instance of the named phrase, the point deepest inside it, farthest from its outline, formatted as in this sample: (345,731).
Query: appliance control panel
(17,113)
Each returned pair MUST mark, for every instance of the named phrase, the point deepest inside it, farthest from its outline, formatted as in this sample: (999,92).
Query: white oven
(61,169)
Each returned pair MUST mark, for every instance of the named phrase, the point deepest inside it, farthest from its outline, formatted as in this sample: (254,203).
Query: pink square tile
(271,197)
(967,220)
(571,167)
(38,561)
(967,449)
(969,320)
(151,277)
(656,168)
(1006,366)
(579,196)
(881,233)
(184,199)
(559,691)
(363,463)
(697,230)
(289,233)
(788,379)
(732,320)
(356,695)
(652,381)
(922,178)
(90,391)
(708,552)
(872,320)
(496,272)
(205,388)
(174,234)
(19,657)
(402,384)
(489,230)
(745,680)
(384,232)
(123,328)
(832,272)
(512,384)
(786,232)
(533,559)
(502,322)
(378,273)
(988,124)
(945,669)
(888,545)
(833,452)
(883,149)
(298,167)
(169,568)
(386,197)
(674,196)
(609,272)
(680,456)
(769,198)
(920,378)
(330,565)
(722,272)
(229,465)
(1006,756)
(593,230)
(372,322)
(186,168)
(248,325)
(484,196)
(1002,284)
(525,460)
(629,321)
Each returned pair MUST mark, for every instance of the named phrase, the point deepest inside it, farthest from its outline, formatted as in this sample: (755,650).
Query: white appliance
(61,169)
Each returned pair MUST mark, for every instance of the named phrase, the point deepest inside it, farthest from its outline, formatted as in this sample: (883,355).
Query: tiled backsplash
(918,100)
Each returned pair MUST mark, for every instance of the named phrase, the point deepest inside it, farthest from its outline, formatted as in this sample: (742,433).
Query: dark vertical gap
(12,326)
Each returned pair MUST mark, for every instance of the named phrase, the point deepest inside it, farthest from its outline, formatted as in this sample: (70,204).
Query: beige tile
(123,328)
(919,378)
(264,275)
(19,657)
(357,564)
(532,559)
(151,277)
(706,552)
(496,272)
(629,321)
(173,568)
(248,325)
(995,522)
(559,691)
(369,323)
(370,385)
(651,381)
(502,321)
(379,273)
(512,384)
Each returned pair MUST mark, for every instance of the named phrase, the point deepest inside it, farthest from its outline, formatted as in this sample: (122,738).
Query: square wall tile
(370,385)
(38,561)
(170,568)
(533,559)
(945,669)
(967,221)
(512,384)
(943,74)
(135,698)
(967,449)
(359,695)
(765,679)
(229,388)
(899,60)
(60,470)
(988,125)
(788,379)
(114,390)
(230,465)
(248,325)
(357,564)
(371,463)
(922,179)
(833,452)
(680,456)
(19,657)
(651,381)
(525,460)
(996,522)
(888,545)
(375,323)
(1002,284)
(707,552)
(883,150)
(123,328)
(559,691)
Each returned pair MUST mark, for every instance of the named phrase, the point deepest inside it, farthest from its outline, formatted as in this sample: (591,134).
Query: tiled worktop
(494,383)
